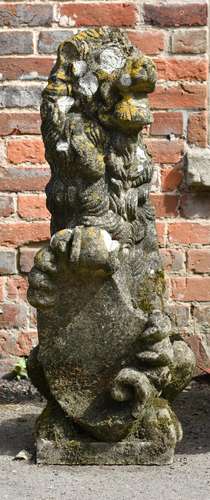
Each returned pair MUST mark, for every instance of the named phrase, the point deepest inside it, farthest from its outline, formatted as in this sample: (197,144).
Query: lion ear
(68,52)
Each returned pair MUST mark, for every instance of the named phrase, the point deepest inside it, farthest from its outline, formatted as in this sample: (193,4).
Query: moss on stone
(149,288)
(157,423)
(54,424)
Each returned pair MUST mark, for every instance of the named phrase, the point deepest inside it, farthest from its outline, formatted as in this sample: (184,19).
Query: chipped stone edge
(197,168)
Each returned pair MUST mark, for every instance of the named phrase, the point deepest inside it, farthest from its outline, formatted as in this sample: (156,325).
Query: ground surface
(187,479)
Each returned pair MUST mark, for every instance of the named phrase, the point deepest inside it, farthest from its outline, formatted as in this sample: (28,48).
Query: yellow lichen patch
(82,35)
(59,88)
(142,72)
(100,158)
(137,67)
(103,75)
(95,33)
(134,66)
(61,75)
(125,109)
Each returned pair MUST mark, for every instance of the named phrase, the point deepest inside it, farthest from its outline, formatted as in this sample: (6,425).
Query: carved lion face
(98,72)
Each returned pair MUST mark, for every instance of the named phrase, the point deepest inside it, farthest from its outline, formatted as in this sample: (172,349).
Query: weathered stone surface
(198,172)
(98,453)
(105,360)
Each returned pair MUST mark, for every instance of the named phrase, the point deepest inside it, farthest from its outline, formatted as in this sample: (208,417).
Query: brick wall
(175,35)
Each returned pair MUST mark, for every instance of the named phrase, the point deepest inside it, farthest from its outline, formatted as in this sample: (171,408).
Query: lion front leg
(147,386)
(169,365)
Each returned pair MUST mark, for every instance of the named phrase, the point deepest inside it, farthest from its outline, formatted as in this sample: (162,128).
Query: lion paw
(42,289)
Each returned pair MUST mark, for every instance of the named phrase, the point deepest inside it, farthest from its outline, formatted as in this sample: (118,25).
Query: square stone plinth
(102,453)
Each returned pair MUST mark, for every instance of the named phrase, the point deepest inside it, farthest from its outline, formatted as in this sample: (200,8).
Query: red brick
(171,178)
(161,232)
(192,14)
(185,96)
(17,287)
(199,260)
(195,205)
(17,15)
(149,42)
(27,258)
(166,123)
(173,260)
(182,69)
(164,151)
(26,341)
(19,123)
(166,205)
(191,288)
(26,150)
(189,232)
(20,233)
(17,344)
(13,315)
(23,178)
(6,205)
(2,290)
(200,349)
(32,206)
(198,129)
(8,343)
(22,68)
(94,14)
(189,41)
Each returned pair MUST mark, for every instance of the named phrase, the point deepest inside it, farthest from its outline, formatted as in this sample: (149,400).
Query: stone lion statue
(106,356)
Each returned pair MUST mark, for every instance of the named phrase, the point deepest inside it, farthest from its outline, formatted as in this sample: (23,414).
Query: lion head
(99,72)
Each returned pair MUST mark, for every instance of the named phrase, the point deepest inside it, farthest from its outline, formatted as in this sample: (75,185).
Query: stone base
(101,453)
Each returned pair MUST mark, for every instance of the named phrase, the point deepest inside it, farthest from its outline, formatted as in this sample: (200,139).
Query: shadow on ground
(17,433)
(192,408)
